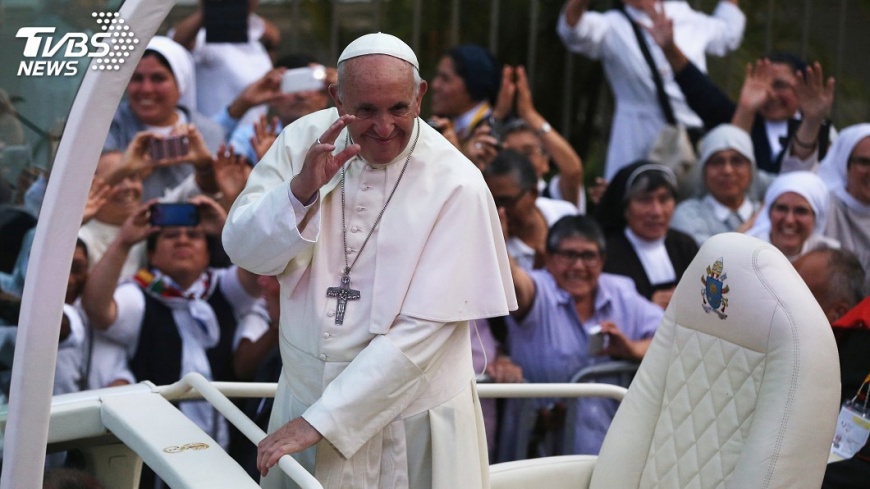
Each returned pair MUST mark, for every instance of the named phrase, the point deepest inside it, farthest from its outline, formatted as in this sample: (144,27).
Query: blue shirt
(550,342)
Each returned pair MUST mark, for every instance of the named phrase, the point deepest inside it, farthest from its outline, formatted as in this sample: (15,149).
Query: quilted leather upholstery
(740,396)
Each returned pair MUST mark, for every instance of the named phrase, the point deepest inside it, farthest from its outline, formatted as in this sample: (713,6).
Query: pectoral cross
(344,294)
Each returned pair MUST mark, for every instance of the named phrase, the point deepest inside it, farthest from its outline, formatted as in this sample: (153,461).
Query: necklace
(343,292)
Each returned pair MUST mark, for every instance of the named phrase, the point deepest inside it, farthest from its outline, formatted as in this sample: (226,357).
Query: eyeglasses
(570,257)
(797,211)
(509,202)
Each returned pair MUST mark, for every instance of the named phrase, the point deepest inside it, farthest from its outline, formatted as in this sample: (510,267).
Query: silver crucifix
(344,294)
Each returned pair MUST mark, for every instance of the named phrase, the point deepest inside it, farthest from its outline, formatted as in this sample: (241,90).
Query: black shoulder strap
(664,101)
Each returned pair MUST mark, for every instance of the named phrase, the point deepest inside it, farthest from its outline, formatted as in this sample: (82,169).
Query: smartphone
(225,21)
(176,214)
(169,147)
(595,342)
(303,79)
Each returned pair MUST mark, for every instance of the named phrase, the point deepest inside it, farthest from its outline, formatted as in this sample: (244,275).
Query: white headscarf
(804,183)
(833,168)
(181,64)
(724,136)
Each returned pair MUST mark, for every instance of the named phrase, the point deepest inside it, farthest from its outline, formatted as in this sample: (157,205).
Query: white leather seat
(739,388)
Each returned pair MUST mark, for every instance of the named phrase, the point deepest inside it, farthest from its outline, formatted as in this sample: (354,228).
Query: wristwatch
(545,128)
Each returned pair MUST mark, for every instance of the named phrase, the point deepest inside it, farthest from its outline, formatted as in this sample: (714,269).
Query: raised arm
(574,10)
(816,97)
(703,96)
(757,90)
(98,298)
(187,29)
(560,150)
(524,286)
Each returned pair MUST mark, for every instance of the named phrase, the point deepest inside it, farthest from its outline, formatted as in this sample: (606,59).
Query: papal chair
(739,388)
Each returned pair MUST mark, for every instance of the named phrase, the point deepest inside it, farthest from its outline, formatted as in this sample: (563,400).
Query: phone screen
(225,21)
(181,214)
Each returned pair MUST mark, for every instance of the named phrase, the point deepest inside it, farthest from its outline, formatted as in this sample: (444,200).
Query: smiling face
(379,91)
(181,253)
(791,222)
(576,264)
(783,104)
(450,97)
(649,213)
(727,175)
(858,172)
(153,92)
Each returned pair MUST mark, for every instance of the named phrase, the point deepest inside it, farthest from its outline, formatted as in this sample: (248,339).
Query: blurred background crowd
(615,138)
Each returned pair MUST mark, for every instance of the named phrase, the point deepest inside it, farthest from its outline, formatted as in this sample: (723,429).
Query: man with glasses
(512,180)
(561,309)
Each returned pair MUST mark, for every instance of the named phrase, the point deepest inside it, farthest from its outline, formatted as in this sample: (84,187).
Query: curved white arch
(53,246)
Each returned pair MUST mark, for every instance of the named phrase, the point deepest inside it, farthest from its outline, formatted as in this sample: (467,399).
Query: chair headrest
(734,289)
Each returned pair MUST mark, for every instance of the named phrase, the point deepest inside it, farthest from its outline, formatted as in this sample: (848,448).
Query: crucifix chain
(343,292)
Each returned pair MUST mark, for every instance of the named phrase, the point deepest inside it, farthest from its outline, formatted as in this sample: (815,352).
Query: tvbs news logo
(108,48)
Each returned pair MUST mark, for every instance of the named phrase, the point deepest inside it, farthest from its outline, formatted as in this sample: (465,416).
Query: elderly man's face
(379,91)
(727,175)
(858,172)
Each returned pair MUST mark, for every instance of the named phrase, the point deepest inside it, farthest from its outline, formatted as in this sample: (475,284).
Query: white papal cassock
(391,389)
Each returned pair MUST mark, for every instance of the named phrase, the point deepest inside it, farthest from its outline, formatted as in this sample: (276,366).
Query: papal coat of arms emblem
(715,289)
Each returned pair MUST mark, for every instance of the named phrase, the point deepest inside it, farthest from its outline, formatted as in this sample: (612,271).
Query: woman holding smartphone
(161,97)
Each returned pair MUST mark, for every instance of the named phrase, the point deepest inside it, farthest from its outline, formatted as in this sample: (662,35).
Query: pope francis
(386,243)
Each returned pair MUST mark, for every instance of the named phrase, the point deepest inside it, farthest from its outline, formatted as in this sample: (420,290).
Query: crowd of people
(151,302)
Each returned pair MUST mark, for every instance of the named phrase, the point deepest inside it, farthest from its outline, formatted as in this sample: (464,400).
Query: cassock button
(348,250)
(323,356)
(326,335)
(360,208)
(354,229)
(330,313)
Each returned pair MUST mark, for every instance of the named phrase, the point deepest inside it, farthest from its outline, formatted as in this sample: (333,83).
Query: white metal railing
(212,393)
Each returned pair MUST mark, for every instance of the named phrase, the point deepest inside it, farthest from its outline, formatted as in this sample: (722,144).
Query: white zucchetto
(380,43)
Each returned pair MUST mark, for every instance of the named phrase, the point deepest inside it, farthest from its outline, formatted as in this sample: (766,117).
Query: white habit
(638,118)
(391,390)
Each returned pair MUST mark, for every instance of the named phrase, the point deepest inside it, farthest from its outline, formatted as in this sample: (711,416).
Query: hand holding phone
(174,214)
